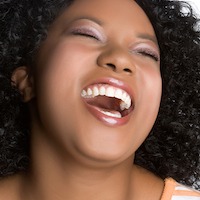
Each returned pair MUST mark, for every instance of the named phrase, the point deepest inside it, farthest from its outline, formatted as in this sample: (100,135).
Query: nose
(117,59)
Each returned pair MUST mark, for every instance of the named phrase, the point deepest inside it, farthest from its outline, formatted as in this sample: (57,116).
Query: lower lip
(107,120)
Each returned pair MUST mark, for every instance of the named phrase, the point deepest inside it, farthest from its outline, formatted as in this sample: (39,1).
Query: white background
(196,5)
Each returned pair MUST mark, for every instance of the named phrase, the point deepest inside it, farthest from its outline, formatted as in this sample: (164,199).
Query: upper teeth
(109,91)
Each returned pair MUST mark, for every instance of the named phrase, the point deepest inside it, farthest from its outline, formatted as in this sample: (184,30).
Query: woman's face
(97,81)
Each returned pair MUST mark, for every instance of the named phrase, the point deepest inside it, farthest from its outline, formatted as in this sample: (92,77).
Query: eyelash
(149,53)
(90,34)
(85,33)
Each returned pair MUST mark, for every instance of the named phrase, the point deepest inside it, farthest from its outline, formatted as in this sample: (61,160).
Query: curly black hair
(172,149)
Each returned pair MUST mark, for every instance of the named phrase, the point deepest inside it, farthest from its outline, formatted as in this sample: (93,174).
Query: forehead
(122,12)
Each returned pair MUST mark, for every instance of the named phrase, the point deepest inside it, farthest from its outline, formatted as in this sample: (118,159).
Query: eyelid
(148,49)
(88,30)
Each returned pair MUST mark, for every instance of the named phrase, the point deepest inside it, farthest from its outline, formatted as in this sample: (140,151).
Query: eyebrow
(89,18)
(99,22)
(148,37)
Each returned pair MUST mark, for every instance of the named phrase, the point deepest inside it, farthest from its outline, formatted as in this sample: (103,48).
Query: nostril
(127,70)
(111,66)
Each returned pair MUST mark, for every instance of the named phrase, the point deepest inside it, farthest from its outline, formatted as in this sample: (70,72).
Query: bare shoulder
(9,188)
(146,184)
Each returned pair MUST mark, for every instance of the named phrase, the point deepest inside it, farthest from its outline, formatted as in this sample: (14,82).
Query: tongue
(105,104)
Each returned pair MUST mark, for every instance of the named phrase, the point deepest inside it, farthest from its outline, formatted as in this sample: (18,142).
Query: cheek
(59,82)
(147,103)
(150,89)
(61,69)
(64,60)
(152,86)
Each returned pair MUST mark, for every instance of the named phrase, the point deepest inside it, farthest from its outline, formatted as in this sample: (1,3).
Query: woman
(81,92)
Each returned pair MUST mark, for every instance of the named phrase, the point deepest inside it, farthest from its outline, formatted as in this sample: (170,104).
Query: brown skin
(70,157)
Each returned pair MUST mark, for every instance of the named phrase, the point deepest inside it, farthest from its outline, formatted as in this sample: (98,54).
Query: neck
(55,176)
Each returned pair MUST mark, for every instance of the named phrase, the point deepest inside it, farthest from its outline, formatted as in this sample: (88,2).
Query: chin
(107,154)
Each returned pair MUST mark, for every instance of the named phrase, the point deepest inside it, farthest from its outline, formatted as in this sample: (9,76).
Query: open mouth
(109,100)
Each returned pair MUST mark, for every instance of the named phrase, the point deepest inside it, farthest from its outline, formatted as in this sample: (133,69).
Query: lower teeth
(116,114)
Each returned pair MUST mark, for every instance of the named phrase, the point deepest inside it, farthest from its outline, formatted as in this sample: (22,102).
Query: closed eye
(149,53)
(85,33)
